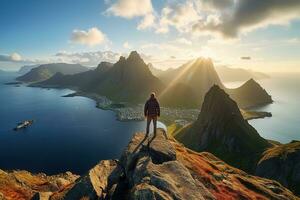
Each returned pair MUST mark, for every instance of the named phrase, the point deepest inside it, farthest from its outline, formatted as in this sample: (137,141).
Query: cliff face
(222,130)
(282,163)
(165,170)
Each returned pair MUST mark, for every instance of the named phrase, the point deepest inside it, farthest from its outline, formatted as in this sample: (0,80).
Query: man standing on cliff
(151,112)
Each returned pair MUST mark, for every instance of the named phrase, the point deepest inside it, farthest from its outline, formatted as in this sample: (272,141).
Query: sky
(253,34)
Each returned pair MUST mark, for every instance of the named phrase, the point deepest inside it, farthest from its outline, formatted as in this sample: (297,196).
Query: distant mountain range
(46,71)
(130,80)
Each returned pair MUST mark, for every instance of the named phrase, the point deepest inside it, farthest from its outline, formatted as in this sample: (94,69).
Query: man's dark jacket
(152,108)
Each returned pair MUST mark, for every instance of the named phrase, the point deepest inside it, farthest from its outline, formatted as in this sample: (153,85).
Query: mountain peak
(222,130)
(250,94)
(252,81)
(134,55)
(218,104)
(104,66)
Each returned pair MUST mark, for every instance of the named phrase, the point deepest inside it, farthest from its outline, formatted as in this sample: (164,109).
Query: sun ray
(171,84)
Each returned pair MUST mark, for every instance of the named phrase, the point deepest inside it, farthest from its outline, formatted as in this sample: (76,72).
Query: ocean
(68,133)
(284,125)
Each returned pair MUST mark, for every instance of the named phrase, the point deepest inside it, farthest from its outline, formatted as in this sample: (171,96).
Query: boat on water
(23,125)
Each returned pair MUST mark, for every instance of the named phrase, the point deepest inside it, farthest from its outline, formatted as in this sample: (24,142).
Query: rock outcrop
(222,130)
(282,163)
(164,170)
(22,185)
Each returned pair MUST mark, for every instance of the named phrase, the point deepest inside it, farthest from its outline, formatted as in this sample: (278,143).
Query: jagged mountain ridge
(131,80)
(128,80)
(222,130)
(166,170)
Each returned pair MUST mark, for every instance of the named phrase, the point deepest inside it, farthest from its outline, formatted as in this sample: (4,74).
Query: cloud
(87,58)
(180,16)
(183,41)
(130,8)
(248,15)
(147,22)
(14,57)
(126,45)
(91,37)
(213,4)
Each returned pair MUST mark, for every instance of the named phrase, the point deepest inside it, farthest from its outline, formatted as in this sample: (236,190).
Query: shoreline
(180,116)
(125,112)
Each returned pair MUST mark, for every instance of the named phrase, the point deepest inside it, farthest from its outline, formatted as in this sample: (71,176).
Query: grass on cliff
(281,151)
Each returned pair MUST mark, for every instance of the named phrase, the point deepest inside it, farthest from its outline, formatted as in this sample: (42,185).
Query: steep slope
(250,94)
(282,163)
(221,130)
(228,74)
(46,71)
(197,76)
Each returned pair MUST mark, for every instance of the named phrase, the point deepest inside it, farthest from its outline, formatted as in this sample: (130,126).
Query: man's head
(152,95)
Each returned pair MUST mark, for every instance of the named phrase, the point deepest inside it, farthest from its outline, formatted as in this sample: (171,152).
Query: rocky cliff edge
(164,170)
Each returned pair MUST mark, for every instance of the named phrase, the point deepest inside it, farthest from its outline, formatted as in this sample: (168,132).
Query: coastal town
(180,116)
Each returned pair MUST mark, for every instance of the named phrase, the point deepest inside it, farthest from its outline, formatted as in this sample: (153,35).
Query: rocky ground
(23,185)
(165,170)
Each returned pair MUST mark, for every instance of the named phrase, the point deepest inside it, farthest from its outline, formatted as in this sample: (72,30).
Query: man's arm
(158,109)
(146,108)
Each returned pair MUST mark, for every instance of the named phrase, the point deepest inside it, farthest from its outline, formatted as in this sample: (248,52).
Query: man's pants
(149,119)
